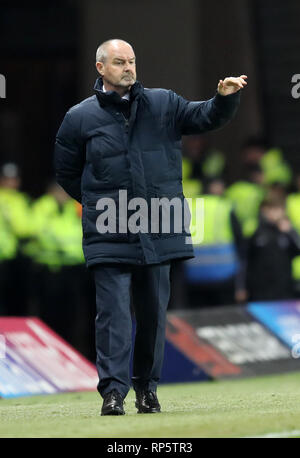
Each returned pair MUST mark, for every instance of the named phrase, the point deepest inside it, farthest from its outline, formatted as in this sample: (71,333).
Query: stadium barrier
(205,344)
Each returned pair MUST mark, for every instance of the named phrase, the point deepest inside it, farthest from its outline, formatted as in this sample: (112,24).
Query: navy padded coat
(98,153)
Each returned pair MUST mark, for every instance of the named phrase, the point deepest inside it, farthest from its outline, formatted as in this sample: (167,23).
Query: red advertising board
(36,360)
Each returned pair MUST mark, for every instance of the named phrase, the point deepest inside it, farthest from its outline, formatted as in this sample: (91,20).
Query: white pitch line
(293,433)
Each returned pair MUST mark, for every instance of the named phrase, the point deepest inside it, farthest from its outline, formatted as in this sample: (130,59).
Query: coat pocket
(104,219)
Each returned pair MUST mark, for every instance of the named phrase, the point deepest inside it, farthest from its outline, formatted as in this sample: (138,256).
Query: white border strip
(293,433)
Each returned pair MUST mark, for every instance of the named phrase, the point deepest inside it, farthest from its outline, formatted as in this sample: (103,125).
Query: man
(270,254)
(127,138)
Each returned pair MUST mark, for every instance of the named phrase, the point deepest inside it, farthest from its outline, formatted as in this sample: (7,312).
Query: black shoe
(113,404)
(147,402)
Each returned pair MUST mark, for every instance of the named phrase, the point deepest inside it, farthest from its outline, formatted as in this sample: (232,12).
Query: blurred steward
(264,174)
(216,274)
(60,276)
(246,197)
(270,253)
(275,168)
(255,152)
(206,162)
(293,212)
(192,187)
(15,228)
(251,153)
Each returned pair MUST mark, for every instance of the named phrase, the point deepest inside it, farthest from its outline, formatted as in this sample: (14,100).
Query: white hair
(101,53)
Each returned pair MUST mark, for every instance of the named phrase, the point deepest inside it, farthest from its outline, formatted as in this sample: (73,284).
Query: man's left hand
(231,84)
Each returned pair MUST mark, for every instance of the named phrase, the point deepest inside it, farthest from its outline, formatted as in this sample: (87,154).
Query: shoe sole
(154,410)
(112,412)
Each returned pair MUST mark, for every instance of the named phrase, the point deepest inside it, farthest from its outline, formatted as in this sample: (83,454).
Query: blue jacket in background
(98,152)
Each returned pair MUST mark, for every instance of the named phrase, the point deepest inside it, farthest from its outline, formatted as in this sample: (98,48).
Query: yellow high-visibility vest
(57,233)
(246,198)
(210,220)
(293,212)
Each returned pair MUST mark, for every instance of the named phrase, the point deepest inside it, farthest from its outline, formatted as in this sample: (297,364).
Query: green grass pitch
(234,408)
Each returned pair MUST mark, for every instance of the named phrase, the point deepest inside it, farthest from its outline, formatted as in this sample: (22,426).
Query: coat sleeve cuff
(228,100)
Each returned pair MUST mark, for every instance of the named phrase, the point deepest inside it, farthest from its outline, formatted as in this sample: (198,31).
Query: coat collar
(112,97)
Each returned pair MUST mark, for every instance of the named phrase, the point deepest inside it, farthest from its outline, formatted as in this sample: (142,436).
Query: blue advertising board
(282,318)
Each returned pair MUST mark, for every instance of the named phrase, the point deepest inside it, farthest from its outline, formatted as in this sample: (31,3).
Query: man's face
(10,183)
(273,214)
(252,154)
(216,188)
(119,69)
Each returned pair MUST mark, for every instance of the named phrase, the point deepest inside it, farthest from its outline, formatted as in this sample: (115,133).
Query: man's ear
(99,66)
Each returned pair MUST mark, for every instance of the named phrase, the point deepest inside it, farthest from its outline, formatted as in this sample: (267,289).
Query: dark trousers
(148,289)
